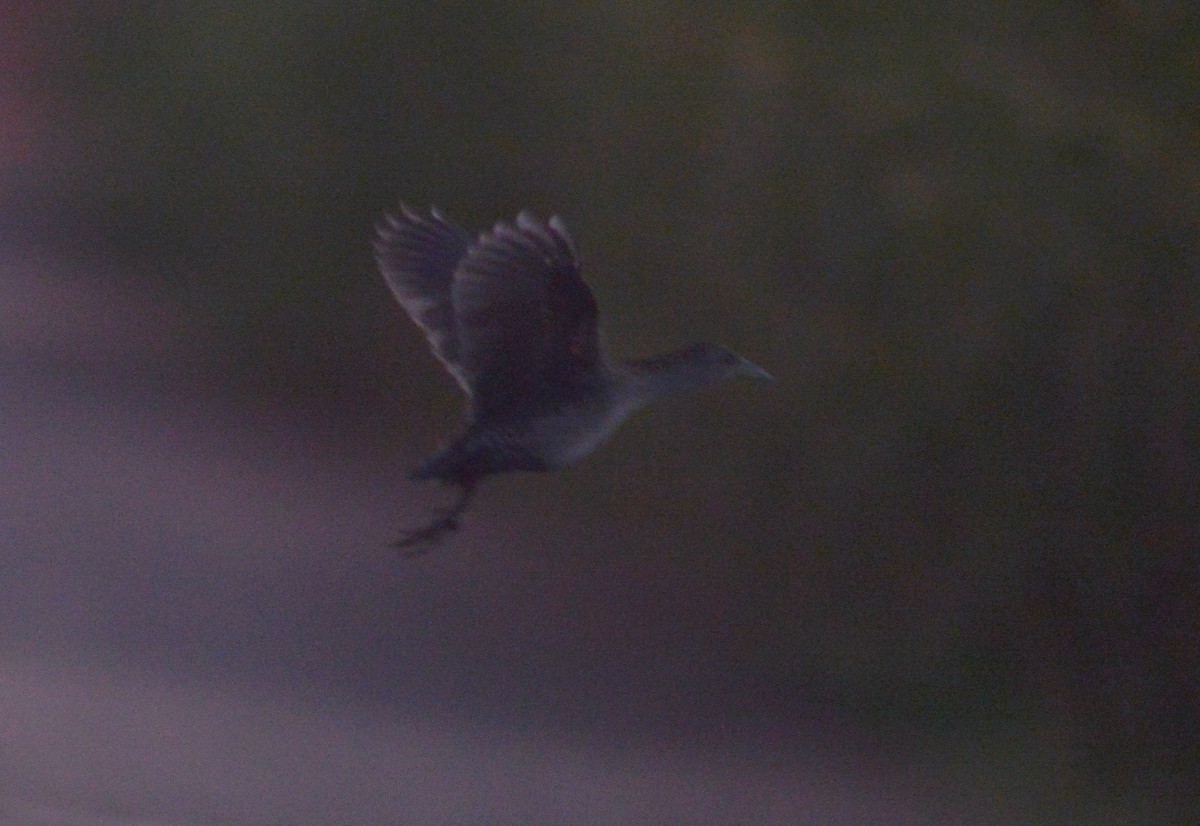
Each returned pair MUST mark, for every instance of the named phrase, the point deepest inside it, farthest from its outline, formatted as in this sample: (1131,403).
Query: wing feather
(418,257)
(526,319)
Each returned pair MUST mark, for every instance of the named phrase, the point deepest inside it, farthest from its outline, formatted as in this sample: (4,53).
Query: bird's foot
(423,539)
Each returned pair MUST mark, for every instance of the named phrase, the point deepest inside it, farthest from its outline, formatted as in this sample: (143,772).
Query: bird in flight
(511,319)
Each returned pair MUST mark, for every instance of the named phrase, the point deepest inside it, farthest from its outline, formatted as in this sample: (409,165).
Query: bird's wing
(418,256)
(526,319)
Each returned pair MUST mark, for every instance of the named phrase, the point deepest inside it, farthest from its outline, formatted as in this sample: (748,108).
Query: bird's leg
(422,540)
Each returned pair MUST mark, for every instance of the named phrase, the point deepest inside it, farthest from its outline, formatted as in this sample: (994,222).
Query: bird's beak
(752,370)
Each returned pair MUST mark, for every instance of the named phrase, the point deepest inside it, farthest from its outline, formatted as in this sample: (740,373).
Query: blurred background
(945,571)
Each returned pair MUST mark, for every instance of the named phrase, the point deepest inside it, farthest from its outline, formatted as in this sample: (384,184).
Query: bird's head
(719,362)
(688,369)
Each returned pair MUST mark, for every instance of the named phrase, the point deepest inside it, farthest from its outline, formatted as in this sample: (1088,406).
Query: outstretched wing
(526,320)
(418,257)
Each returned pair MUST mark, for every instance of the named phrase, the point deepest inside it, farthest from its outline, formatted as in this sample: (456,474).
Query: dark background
(944,571)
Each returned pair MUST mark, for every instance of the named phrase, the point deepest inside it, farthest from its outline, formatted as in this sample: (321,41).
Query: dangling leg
(422,540)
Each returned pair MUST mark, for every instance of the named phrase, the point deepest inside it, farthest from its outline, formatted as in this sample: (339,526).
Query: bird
(509,316)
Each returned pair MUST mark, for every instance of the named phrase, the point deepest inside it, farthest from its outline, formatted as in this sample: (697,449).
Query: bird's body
(512,320)
(543,440)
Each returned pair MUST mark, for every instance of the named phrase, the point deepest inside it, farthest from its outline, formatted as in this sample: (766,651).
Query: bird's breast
(568,436)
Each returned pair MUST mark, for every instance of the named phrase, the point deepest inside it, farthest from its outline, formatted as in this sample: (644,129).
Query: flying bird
(511,319)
